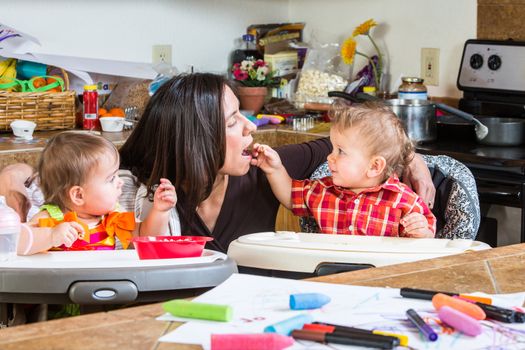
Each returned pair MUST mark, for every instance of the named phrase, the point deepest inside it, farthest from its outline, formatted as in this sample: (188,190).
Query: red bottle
(90,100)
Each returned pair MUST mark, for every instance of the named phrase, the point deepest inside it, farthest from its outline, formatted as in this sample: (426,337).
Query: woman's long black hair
(180,136)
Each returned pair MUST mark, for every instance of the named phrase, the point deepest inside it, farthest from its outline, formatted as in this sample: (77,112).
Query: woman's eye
(231,122)
(112,179)
(340,151)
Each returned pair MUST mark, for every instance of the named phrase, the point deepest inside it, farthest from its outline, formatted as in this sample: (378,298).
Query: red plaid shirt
(374,212)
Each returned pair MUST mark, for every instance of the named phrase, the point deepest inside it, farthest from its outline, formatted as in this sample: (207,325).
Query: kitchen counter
(16,151)
(498,270)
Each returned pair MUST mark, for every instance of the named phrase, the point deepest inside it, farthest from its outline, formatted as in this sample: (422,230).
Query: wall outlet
(430,66)
(161,53)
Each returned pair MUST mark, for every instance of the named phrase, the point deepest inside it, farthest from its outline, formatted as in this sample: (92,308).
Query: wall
(405,26)
(501,19)
(202,32)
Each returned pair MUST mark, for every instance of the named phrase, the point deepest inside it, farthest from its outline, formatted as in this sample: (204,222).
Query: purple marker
(421,325)
(308,301)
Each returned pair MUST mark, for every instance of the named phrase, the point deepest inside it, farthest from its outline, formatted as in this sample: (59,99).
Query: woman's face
(238,137)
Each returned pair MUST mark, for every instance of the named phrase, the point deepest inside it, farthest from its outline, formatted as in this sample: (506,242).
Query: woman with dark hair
(192,133)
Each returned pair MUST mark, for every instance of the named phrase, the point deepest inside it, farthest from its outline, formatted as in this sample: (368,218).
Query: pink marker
(460,321)
(263,341)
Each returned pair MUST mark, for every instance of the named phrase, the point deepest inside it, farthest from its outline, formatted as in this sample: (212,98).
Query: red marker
(263,341)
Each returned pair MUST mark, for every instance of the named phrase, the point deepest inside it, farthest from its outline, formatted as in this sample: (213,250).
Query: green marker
(203,311)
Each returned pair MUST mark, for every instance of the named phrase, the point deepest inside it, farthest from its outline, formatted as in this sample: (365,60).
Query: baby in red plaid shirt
(364,195)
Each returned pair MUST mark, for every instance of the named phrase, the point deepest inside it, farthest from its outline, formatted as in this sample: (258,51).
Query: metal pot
(503,131)
(418,116)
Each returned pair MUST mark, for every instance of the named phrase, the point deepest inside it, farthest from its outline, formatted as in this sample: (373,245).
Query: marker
(501,314)
(203,311)
(366,340)
(439,300)
(494,312)
(286,326)
(264,341)
(428,294)
(308,301)
(421,325)
(331,328)
(460,321)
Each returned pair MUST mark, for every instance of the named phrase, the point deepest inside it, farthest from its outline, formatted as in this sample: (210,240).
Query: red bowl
(169,247)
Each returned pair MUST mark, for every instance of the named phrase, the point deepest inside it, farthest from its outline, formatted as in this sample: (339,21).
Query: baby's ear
(376,167)
(76,195)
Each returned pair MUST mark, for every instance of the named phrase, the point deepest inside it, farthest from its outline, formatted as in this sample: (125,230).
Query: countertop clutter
(498,270)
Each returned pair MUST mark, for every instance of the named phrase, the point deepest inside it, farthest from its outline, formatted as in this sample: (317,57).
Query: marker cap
(460,321)
(190,309)
(287,326)
(264,341)
(306,301)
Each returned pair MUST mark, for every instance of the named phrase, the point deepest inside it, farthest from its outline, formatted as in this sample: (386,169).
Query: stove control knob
(494,62)
(476,61)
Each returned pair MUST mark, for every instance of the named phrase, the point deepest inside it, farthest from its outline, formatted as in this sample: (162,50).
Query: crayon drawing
(262,301)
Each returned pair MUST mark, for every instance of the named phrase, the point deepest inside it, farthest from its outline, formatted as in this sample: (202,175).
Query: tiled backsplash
(501,19)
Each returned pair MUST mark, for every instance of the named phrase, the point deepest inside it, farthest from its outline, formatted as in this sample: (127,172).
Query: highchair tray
(107,277)
(303,252)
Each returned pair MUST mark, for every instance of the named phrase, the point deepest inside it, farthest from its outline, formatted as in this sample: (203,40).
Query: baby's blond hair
(68,160)
(380,130)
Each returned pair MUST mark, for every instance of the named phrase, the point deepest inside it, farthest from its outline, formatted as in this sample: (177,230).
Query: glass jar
(412,88)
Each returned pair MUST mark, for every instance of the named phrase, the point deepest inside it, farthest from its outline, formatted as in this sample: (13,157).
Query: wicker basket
(49,110)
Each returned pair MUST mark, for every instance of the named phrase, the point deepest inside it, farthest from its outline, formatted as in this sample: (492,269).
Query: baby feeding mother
(192,133)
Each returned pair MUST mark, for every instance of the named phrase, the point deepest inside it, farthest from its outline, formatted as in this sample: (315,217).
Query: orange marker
(439,300)
(475,298)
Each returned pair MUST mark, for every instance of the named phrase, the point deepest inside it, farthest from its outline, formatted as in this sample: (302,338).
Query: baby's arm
(269,161)
(34,239)
(164,199)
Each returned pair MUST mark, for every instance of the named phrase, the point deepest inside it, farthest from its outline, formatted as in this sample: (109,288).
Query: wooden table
(499,270)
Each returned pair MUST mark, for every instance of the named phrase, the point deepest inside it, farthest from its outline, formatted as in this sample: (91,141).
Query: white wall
(202,31)
(405,26)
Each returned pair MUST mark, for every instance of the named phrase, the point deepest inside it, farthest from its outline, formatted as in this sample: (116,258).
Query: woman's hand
(416,226)
(417,176)
(266,158)
(66,233)
(165,196)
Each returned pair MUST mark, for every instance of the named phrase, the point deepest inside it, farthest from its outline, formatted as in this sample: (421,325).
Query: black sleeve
(300,160)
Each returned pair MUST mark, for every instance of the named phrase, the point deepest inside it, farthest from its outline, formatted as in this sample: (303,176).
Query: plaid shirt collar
(391,184)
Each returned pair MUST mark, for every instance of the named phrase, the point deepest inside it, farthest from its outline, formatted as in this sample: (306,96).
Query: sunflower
(364,27)
(348,50)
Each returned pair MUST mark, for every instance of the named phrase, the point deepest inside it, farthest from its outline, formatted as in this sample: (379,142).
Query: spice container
(90,101)
(412,88)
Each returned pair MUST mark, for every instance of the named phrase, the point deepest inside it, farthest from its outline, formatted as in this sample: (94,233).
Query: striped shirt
(134,198)
(374,212)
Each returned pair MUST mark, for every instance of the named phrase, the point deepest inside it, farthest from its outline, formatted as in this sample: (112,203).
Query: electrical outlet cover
(161,53)
(430,66)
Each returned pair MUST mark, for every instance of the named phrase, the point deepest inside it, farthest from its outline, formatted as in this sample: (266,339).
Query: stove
(492,78)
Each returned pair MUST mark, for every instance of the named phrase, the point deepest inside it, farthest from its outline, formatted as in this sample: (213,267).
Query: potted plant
(254,77)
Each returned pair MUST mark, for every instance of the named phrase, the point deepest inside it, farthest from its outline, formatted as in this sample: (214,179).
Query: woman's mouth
(247,152)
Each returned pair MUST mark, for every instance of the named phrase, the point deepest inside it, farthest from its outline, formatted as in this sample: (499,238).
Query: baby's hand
(265,158)
(416,226)
(165,196)
(66,233)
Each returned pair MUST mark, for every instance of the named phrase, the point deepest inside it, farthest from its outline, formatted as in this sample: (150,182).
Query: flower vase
(252,98)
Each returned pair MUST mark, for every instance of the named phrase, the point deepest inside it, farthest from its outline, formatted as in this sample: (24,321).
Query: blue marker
(421,325)
(287,326)
(307,301)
